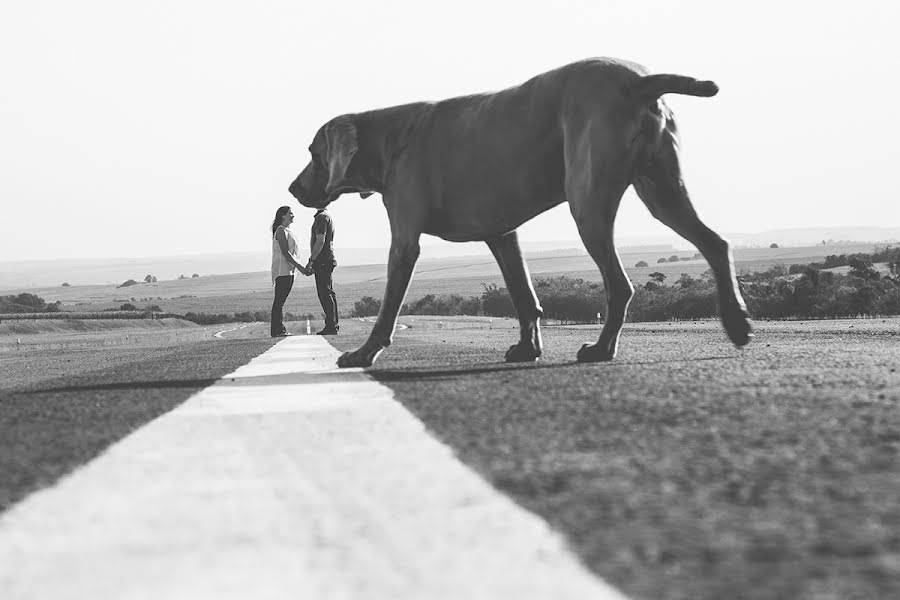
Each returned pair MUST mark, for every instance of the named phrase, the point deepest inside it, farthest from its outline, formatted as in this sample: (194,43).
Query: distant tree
(862,268)
(367,306)
(182,277)
(148,278)
(684,258)
(128,306)
(194,275)
(65,284)
(640,264)
(153,280)
(686,281)
(128,283)
(154,308)
(773,245)
(673,258)
(662,260)
(657,277)
(496,302)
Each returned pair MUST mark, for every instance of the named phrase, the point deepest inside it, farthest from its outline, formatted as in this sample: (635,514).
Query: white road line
(286,479)
(399,325)
(219,334)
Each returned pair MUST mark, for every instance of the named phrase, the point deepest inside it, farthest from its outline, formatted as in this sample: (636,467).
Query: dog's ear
(340,135)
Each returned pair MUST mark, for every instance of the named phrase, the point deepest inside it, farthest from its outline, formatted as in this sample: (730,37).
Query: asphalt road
(685,468)
(60,408)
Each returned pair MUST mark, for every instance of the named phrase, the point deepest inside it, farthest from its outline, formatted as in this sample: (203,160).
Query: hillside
(466,276)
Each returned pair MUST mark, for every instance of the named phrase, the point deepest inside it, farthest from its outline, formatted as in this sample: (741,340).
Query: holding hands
(307,270)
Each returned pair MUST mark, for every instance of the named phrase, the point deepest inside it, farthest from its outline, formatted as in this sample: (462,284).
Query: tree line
(797,291)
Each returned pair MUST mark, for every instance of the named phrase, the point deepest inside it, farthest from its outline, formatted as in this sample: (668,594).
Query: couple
(321,263)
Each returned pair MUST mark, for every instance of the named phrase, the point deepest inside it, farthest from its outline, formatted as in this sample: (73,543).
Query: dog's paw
(359,358)
(595,353)
(738,325)
(522,353)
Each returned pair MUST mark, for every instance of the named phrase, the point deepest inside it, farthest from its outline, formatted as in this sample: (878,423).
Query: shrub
(495,302)
(65,284)
(367,306)
(128,306)
(662,260)
(128,283)
(640,264)
(673,258)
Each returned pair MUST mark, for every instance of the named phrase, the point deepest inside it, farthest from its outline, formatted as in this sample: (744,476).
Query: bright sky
(157,128)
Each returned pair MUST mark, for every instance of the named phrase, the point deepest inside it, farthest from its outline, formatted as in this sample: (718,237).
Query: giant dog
(477,167)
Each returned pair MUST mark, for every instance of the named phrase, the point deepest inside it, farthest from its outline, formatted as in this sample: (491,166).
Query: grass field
(466,276)
(47,334)
(685,468)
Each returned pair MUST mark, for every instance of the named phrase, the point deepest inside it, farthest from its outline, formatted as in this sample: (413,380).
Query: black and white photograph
(482,300)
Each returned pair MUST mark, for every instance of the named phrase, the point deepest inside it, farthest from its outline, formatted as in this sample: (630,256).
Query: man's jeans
(283,285)
(325,288)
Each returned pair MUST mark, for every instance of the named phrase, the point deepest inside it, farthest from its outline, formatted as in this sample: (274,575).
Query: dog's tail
(651,87)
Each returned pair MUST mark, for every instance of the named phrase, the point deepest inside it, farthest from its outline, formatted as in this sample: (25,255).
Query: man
(322,264)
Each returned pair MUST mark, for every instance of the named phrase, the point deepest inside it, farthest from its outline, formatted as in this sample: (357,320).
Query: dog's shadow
(395,374)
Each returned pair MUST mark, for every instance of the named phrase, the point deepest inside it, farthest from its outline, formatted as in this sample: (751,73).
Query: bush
(662,260)
(128,283)
(65,284)
(640,264)
(23,303)
(452,304)
(128,306)
(495,302)
(673,258)
(367,306)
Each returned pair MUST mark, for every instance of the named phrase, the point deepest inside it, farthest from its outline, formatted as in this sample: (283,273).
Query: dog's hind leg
(594,208)
(401,262)
(659,184)
(518,283)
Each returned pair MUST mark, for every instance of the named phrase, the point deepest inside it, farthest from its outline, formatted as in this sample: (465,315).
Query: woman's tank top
(280,265)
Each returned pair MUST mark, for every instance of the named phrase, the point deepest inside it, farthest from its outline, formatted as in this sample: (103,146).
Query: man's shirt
(323,225)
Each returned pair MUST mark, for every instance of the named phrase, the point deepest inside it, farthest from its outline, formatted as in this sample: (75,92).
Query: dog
(475,168)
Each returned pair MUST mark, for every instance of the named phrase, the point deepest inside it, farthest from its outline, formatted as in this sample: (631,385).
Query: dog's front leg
(525,301)
(401,262)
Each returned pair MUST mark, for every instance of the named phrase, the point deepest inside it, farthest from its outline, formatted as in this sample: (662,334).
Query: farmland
(465,276)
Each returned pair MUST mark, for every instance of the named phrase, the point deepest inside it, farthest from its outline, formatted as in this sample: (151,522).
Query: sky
(175,127)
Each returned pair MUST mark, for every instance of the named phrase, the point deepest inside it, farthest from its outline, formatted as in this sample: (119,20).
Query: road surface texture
(287,478)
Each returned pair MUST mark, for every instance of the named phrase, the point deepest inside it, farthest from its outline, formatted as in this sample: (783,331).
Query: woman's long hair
(279,215)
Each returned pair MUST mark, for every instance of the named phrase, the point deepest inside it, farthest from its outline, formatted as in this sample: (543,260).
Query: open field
(47,334)
(465,276)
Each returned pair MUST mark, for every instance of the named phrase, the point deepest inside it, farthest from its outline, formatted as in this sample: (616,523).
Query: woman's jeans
(283,285)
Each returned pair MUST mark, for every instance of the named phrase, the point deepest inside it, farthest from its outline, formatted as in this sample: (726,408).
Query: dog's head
(329,173)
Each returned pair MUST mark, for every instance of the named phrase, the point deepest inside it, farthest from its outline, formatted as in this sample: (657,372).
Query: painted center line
(285,479)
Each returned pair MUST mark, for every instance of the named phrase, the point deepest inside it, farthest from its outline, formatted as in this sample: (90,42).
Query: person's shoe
(329,331)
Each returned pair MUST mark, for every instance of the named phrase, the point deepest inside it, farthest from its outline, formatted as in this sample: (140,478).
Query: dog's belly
(479,196)
(477,211)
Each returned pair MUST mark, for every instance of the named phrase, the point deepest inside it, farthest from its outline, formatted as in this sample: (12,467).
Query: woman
(284,247)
